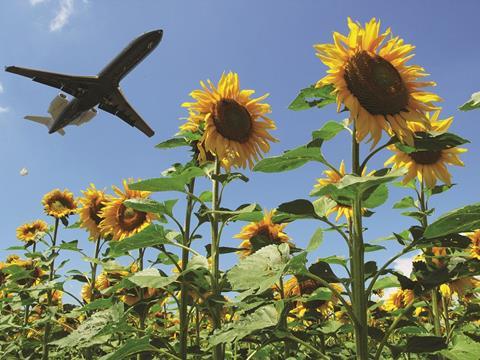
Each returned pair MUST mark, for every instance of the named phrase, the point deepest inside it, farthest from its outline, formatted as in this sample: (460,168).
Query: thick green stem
(445,315)
(217,352)
(357,265)
(183,311)
(46,335)
(94,269)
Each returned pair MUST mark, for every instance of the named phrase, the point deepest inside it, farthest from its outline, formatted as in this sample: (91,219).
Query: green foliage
(464,219)
(313,97)
(473,103)
(131,347)
(151,278)
(152,235)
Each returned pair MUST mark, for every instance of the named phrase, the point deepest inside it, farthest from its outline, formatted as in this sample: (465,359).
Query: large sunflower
(371,78)
(91,205)
(261,233)
(59,203)
(31,232)
(234,125)
(332,178)
(120,221)
(399,299)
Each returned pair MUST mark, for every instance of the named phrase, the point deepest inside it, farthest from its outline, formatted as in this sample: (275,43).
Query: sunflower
(90,207)
(120,221)
(59,203)
(233,125)
(399,299)
(332,178)
(460,287)
(475,245)
(31,232)
(370,77)
(261,233)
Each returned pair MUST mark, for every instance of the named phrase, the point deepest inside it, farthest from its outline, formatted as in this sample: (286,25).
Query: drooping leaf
(131,347)
(299,207)
(464,348)
(152,235)
(464,219)
(473,103)
(386,282)
(424,344)
(152,278)
(264,317)
(151,206)
(316,240)
(172,143)
(313,97)
(404,203)
(427,142)
(328,131)
(173,183)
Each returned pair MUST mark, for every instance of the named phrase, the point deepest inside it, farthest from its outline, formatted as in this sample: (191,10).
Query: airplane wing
(117,105)
(73,85)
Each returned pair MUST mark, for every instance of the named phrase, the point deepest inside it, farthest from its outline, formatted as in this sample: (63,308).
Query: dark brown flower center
(232,120)
(61,203)
(130,219)
(376,84)
(426,157)
(94,210)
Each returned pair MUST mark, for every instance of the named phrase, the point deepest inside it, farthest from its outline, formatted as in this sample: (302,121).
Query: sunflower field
(157,286)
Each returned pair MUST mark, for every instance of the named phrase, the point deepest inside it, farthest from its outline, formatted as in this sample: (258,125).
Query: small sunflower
(399,299)
(31,232)
(59,203)
(262,233)
(234,126)
(475,245)
(332,178)
(372,80)
(460,287)
(427,165)
(91,204)
(120,221)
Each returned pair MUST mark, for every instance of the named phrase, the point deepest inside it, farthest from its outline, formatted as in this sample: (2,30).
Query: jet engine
(85,117)
(57,104)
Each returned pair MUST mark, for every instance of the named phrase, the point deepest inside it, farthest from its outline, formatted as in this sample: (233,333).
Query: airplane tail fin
(44,120)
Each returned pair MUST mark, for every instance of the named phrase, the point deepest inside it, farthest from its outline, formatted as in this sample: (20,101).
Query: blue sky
(269,43)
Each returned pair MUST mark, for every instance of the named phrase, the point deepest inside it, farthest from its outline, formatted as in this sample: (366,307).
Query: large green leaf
(173,183)
(291,159)
(152,235)
(428,142)
(172,143)
(473,103)
(152,278)
(464,219)
(259,271)
(131,347)
(329,130)
(151,206)
(316,240)
(264,317)
(464,348)
(313,97)
(425,344)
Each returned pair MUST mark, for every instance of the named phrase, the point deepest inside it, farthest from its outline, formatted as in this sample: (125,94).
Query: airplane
(58,104)
(102,90)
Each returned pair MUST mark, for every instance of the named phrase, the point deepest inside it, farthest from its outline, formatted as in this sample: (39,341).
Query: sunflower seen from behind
(234,126)
(120,221)
(371,79)
(428,160)
(261,233)
(91,205)
(59,204)
(31,232)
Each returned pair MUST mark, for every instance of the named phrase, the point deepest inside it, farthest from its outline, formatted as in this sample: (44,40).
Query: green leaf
(264,317)
(259,271)
(316,240)
(291,159)
(405,203)
(206,196)
(464,348)
(71,245)
(321,293)
(150,206)
(174,183)
(371,248)
(386,282)
(99,304)
(299,207)
(152,235)
(473,103)
(313,97)
(423,344)
(151,278)
(131,347)
(376,197)
(328,131)
(229,177)
(428,142)
(323,205)
(172,143)
(463,219)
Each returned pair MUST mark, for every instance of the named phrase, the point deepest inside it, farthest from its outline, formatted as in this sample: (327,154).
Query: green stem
(183,286)
(46,335)
(390,330)
(308,346)
(94,269)
(357,264)
(217,351)
(445,315)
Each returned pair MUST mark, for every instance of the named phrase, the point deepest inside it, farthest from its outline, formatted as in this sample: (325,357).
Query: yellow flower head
(265,232)
(59,203)
(475,245)
(120,221)
(91,204)
(234,125)
(399,299)
(31,232)
(369,73)
(460,287)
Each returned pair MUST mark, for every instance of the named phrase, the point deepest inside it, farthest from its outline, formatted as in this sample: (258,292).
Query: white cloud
(3,109)
(36,2)
(1,88)
(62,16)
(404,265)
